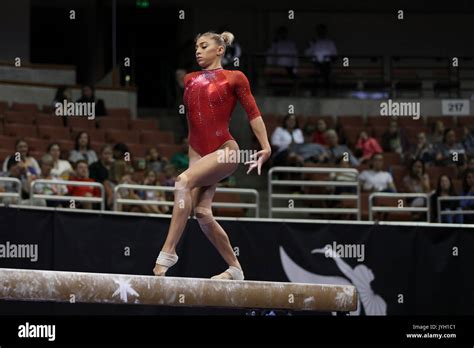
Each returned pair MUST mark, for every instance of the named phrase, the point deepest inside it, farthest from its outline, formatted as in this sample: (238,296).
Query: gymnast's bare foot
(232,273)
(160,270)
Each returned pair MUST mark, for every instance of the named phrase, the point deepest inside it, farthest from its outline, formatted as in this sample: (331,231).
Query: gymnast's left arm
(256,122)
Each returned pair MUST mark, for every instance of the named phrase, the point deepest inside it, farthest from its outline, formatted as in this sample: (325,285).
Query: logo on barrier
(360,276)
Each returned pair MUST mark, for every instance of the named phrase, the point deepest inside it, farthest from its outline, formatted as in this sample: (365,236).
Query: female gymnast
(210,96)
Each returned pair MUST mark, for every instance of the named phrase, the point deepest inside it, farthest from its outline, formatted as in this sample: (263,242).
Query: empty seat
(350,120)
(80,123)
(3,106)
(53,133)
(28,107)
(3,155)
(20,130)
(64,144)
(138,150)
(465,121)
(47,109)
(378,121)
(448,121)
(154,137)
(7,143)
(119,112)
(227,197)
(122,136)
(49,120)
(18,117)
(143,124)
(37,144)
(168,150)
(111,123)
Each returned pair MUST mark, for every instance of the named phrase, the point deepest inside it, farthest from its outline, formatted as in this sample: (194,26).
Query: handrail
(456,212)
(12,194)
(373,208)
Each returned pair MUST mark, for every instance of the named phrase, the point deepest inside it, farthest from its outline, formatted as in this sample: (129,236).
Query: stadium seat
(37,144)
(66,145)
(18,117)
(20,130)
(448,121)
(112,123)
(155,137)
(228,198)
(53,133)
(138,150)
(80,123)
(168,150)
(466,121)
(313,120)
(50,120)
(118,112)
(378,121)
(7,143)
(350,120)
(26,107)
(3,106)
(3,155)
(143,124)
(94,134)
(122,136)
(391,159)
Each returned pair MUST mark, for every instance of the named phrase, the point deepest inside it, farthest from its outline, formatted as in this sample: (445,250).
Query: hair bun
(228,37)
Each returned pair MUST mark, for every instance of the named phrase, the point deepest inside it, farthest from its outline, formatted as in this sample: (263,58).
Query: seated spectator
(437,133)
(180,159)
(81,174)
(469,167)
(169,179)
(376,179)
(468,190)
(88,96)
(335,151)
(61,168)
(121,152)
(82,150)
(47,163)
(127,193)
(99,171)
(422,150)
(22,156)
(319,135)
(349,177)
(394,140)
(154,160)
(18,171)
(368,146)
(63,93)
(308,151)
(417,181)
(468,141)
(151,179)
(119,169)
(283,52)
(283,138)
(445,188)
(450,152)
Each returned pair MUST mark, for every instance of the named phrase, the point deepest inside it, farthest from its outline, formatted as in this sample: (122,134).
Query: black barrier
(398,270)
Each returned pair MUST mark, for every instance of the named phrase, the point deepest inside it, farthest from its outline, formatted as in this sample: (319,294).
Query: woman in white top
(28,162)
(61,168)
(82,150)
(284,137)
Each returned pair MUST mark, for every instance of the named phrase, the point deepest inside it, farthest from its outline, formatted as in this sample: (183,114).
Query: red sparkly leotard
(210,97)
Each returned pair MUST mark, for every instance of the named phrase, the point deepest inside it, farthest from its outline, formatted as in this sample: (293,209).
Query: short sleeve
(244,94)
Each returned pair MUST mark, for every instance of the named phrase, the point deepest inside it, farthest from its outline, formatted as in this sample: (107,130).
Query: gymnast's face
(207,51)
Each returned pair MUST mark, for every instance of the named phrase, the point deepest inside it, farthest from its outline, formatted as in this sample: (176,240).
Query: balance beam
(56,286)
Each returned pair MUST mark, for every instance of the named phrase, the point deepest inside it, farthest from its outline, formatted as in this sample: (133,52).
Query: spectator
(468,190)
(61,168)
(394,140)
(151,179)
(126,193)
(308,151)
(88,96)
(319,136)
(121,152)
(322,51)
(154,160)
(99,171)
(169,179)
(82,174)
(445,188)
(82,150)
(468,141)
(422,150)
(335,151)
(63,93)
(18,171)
(284,138)
(368,146)
(180,159)
(417,181)
(118,172)
(450,152)
(437,133)
(376,179)
(47,164)
(341,176)
(22,156)
(283,52)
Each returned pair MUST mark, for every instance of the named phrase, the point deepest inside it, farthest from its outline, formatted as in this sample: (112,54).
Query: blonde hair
(223,39)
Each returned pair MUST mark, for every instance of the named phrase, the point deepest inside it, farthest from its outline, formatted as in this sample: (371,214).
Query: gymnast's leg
(205,171)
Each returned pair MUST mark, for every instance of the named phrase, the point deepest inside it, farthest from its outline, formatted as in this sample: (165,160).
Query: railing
(100,200)
(12,194)
(388,209)
(252,192)
(274,182)
(452,212)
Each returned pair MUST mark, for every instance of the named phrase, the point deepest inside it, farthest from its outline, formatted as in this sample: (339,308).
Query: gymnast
(210,96)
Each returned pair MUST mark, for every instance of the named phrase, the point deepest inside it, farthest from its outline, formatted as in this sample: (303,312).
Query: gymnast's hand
(261,157)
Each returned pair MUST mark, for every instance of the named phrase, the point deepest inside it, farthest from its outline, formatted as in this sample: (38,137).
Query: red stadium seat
(48,109)
(143,124)
(435,172)
(65,145)
(18,117)
(53,133)
(119,112)
(350,120)
(391,159)
(3,155)
(313,120)
(3,106)
(378,121)
(155,137)
(168,150)
(466,121)
(122,136)
(448,121)
(20,130)
(138,150)
(228,198)
(80,123)
(94,134)
(37,144)
(27,107)
(49,120)
(7,143)
(112,123)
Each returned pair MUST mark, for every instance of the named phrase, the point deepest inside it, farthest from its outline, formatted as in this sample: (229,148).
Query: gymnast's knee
(203,215)
(182,183)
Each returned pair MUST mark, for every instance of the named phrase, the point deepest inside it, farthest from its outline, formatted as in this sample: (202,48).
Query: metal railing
(388,209)
(275,182)
(11,194)
(252,192)
(34,195)
(453,212)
